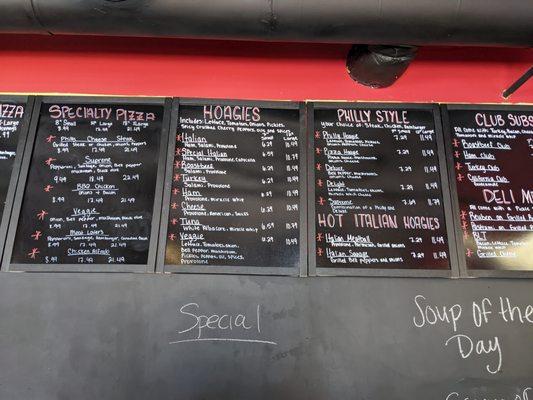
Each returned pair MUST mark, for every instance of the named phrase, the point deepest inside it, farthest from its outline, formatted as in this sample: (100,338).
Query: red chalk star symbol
(50,161)
(33,253)
(36,235)
(41,215)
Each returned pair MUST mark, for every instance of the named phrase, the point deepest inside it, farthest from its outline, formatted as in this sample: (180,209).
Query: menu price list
(89,194)
(378,197)
(235,195)
(11,118)
(493,152)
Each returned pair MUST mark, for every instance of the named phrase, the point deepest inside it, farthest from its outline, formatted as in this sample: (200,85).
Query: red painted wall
(201,68)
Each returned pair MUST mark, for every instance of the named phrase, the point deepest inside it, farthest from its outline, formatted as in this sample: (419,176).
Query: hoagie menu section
(237,187)
(235,196)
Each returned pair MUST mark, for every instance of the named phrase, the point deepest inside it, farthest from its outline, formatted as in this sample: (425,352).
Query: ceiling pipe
(383,22)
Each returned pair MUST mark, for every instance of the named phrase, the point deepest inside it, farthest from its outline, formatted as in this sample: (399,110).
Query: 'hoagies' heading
(96,113)
(235,113)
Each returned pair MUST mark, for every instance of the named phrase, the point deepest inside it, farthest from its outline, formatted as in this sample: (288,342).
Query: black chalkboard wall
(108,337)
(206,336)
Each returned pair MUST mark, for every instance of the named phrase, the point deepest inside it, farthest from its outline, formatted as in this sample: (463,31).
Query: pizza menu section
(90,189)
(11,119)
(492,154)
(378,197)
(235,196)
(249,186)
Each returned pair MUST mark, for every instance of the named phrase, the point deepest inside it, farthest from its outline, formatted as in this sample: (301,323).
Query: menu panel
(89,193)
(378,196)
(11,120)
(235,195)
(492,153)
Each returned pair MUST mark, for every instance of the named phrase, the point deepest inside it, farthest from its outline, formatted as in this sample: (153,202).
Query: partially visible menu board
(492,162)
(89,193)
(11,118)
(378,196)
(235,195)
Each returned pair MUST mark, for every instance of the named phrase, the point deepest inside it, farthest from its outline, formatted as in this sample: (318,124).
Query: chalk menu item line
(314,270)
(149,266)
(460,247)
(28,102)
(301,268)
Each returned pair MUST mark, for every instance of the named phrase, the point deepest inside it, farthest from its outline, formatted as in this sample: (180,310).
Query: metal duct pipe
(415,22)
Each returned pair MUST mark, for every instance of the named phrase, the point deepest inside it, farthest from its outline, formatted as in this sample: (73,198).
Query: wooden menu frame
(314,270)
(25,167)
(460,248)
(28,102)
(299,270)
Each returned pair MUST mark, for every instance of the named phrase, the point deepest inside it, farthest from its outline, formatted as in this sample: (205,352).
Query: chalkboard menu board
(89,196)
(15,112)
(491,156)
(233,199)
(377,189)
